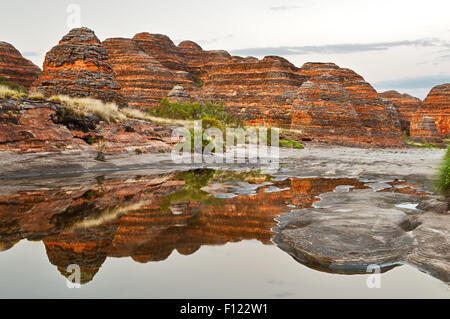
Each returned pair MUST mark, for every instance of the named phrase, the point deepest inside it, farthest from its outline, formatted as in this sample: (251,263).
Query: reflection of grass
(442,180)
(196,179)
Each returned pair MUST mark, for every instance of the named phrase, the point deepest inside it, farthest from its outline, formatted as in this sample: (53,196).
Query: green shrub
(208,122)
(193,111)
(442,179)
(197,81)
(291,144)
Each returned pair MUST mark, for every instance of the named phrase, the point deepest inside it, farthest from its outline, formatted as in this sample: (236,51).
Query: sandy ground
(330,161)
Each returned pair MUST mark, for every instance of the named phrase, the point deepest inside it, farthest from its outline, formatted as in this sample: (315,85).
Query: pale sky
(403,45)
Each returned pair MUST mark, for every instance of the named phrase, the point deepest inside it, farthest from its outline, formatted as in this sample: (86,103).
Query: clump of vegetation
(209,122)
(193,111)
(12,86)
(197,81)
(291,144)
(191,191)
(442,179)
(90,139)
(6,92)
(108,111)
(55,99)
(282,141)
(19,96)
(36,96)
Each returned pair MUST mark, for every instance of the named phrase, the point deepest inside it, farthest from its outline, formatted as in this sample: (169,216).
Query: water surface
(192,234)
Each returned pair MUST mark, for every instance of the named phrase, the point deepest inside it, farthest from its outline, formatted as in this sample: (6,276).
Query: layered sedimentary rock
(259,91)
(178,94)
(337,105)
(15,68)
(78,66)
(425,130)
(144,79)
(437,106)
(322,101)
(406,105)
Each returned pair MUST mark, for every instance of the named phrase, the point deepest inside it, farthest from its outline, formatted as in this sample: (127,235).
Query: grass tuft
(107,111)
(6,92)
(12,86)
(442,178)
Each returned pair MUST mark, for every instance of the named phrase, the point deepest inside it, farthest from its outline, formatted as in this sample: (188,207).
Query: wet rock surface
(345,232)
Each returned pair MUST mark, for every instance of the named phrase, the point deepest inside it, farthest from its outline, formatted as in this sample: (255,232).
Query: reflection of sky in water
(246,269)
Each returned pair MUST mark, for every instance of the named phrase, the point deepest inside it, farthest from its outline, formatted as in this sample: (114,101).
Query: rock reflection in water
(147,217)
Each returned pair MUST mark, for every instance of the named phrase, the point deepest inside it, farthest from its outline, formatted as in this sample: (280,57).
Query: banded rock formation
(425,130)
(78,66)
(144,79)
(261,92)
(15,68)
(322,101)
(437,106)
(406,105)
(337,105)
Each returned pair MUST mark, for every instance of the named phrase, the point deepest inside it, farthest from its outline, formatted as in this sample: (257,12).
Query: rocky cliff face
(144,79)
(323,101)
(425,130)
(259,91)
(15,68)
(43,126)
(319,100)
(436,106)
(78,66)
(337,105)
(406,105)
